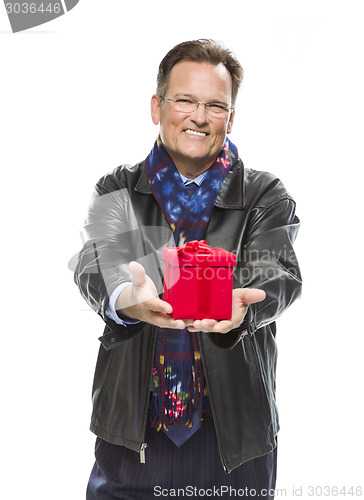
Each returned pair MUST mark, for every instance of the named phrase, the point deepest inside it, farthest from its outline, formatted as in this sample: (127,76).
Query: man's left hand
(242,298)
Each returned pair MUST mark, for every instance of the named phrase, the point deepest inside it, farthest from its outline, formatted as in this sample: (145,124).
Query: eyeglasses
(189,105)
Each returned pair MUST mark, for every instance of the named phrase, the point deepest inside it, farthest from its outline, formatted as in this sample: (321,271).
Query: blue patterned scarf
(178,382)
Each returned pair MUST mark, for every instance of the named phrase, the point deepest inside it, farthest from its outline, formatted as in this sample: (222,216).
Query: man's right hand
(140,301)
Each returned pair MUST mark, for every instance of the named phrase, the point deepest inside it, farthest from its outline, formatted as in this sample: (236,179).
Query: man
(180,403)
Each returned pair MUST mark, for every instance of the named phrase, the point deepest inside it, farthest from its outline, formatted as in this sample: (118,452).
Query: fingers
(140,301)
(249,295)
(156,312)
(159,315)
(157,305)
(223,326)
(242,297)
(138,273)
(203,325)
(141,309)
(164,321)
(207,326)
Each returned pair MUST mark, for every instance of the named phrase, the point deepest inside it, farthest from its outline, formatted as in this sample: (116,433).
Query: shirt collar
(198,180)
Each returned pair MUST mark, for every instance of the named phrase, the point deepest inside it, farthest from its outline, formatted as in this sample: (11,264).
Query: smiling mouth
(194,132)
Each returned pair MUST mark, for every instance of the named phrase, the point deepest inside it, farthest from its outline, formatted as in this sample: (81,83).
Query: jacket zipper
(142,452)
(212,406)
(143,444)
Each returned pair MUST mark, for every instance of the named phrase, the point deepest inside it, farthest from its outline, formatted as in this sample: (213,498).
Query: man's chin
(196,154)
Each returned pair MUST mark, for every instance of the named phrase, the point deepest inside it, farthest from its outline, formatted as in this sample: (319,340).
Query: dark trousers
(194,470)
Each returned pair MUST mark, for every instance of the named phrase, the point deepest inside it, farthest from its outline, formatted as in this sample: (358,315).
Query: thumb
(251,295)
(138,273)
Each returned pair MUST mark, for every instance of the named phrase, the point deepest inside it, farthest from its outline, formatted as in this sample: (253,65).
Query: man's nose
(199,115)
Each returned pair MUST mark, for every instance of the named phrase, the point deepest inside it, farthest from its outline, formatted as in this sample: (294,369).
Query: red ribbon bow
(195,246)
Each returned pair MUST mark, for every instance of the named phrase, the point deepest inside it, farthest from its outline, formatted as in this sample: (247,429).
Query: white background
(75,99)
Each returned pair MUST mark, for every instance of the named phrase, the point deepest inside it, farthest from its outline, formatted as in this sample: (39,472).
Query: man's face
(202,82)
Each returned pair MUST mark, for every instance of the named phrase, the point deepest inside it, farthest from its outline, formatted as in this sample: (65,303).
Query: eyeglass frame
(206,105)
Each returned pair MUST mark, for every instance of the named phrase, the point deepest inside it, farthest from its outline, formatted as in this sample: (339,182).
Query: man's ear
(230,122)
(155,107)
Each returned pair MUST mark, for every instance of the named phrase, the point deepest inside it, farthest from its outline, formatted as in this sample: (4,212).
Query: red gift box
(198,281)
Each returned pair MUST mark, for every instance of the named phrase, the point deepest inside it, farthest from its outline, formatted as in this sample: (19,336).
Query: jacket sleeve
(266,260)
(111,239)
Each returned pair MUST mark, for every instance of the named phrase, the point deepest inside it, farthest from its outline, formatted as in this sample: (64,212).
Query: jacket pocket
(264,349)
(101,377)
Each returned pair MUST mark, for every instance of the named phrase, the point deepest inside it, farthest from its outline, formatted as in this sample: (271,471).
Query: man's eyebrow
(211,101)
(180,94)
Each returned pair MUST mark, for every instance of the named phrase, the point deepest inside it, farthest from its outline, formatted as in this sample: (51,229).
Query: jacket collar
(230,196)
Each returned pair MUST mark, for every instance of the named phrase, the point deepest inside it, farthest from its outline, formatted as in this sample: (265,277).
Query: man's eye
(184,101)
(217,107)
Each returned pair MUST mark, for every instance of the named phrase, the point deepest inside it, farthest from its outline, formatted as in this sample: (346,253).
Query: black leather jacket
(254,217)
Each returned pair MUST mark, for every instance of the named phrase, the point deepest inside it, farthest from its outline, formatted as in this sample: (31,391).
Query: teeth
(193,132)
